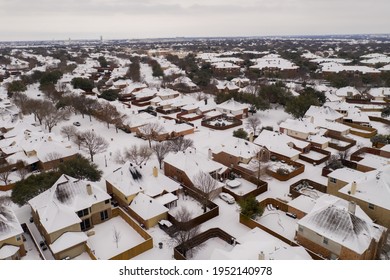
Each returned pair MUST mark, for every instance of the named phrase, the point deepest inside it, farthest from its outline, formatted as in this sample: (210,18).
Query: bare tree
(21,101)
(39,108)
(108,114)
(161,150)
(150,131)
(253,123)
(180,144)
(53,117)
(69,131)
(207,186)
(260,163)
(184,238)
(138,154)
(78,139)
(4,176)
(93,143)
(117,237)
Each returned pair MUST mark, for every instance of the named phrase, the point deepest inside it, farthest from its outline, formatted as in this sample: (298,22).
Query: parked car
(43,245)
(76,124)
(227,198)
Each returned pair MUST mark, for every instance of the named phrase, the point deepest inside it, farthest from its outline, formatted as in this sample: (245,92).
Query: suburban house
(234,151)
(147,210)
(38,150)
(225,68)
(126,182)
(233,108)
(274,64)
(379,94)
(165,129)
(301,129)
(372,193)
(226,86)
(248,247)
(327,118)
(64,212)
(11,240)
(185,83)
(347,92)
(184,166)
(338,229)
(282,144)
(340,178)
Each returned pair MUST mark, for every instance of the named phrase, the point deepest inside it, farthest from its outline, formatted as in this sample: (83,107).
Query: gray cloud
(157,18)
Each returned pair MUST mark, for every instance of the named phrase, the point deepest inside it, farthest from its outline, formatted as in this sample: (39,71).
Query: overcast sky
(127,19)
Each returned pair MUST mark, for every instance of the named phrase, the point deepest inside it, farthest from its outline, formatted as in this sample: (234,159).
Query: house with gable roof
(126,182)
(233,108)
(184,166)
(64,212)
(338,229)
(11,241)
(372,193)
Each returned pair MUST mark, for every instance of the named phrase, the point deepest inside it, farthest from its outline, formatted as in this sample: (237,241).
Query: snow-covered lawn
(194,206)
(279,222)
(103,243)
(274,166)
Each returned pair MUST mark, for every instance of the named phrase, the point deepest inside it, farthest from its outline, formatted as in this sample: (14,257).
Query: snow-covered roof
(373,187)
(331,219)
(346,174)
(131,179)
(237,147)
(303,203)
(225,65)
(249,248)
(273,61)
(192,161)
(68,240)
(385,68)
(58,205)
(132,87)
(280,143)
(374,161)
(147,207)
(347,91)
(7,251)
(232,105)
(337,67)
(379,92)
(166,198)
(324,112)
(303,126)
(9,224)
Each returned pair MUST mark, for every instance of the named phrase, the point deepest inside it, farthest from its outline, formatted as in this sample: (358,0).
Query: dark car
(43,245)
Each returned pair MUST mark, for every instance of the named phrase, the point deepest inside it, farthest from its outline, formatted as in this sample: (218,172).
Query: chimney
(251,137)
(210,154)
(352,207)
(261,256)
(353,188)
(155,172)
(89,189)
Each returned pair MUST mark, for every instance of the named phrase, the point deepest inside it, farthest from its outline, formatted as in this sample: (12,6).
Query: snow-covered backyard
(105,244)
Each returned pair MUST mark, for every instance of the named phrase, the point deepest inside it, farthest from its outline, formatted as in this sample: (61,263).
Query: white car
(227,197)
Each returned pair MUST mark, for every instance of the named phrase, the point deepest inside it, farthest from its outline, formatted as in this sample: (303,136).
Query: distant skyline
(132,19)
